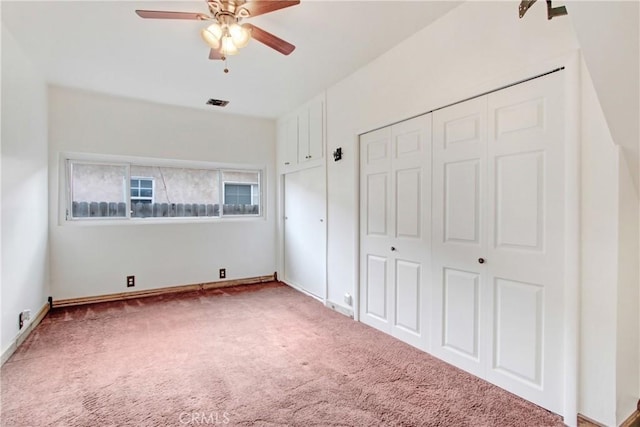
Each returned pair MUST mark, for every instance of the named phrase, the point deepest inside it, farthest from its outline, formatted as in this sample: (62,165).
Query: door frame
(570,63)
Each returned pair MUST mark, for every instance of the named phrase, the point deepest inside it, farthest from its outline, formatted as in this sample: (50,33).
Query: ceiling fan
(226,34)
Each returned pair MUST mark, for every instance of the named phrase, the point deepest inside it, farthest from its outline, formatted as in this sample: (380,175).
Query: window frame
(259,183)
(245,184)
(65,194)
(143,178)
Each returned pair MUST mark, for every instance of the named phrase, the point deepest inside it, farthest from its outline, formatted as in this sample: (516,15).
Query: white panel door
(459,233)
(498,238)
(395,238)
(305,231)
(525,255)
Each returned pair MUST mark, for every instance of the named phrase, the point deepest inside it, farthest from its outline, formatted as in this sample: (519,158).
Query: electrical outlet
(223,273)
(347,299)
(24,317)
(131,281)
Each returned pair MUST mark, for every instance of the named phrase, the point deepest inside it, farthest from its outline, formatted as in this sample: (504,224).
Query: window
(141,190)
(237,194)
(126,190)
(241,192)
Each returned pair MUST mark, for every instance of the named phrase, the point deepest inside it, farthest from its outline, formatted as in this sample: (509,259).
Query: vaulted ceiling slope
(104,46)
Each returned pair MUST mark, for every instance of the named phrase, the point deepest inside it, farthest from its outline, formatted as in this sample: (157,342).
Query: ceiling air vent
(217,102)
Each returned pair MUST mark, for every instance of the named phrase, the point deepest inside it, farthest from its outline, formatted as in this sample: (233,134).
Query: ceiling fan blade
(215,54)
(270,40)
(260,7)
(158,14)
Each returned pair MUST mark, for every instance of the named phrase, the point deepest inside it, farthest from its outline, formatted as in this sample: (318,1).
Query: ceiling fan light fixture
(228,47)
(211,35)
(240,35)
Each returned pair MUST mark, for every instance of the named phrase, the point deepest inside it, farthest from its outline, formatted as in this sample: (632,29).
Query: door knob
(481,260)
(393,248)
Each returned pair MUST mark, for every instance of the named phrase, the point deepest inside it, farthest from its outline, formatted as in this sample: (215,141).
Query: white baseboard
(160,291)
(24,333)
(339,308)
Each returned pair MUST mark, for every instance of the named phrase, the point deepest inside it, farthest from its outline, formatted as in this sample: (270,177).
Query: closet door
(395,238)
(525,256)
(459,234)
(305,231)
(498,238)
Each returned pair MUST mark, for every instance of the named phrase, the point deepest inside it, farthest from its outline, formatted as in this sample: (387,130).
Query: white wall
(25,257)
(610,42)
(599,254)
(89,260)
(628,332)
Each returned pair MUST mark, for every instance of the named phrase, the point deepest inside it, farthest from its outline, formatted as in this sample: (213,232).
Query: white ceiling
(105,47)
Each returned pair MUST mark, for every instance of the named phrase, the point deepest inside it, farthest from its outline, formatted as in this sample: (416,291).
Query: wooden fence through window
(158,210)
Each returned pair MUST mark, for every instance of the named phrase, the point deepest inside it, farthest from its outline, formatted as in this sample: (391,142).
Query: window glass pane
(98,190)
(241,192)
(175,192)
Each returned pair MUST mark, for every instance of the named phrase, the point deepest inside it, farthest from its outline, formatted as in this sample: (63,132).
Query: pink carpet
(262,355)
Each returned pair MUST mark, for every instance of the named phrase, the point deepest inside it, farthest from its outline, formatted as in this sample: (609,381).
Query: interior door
(525,255)
(395,238)
(305,231)
(459,233)
(498,238)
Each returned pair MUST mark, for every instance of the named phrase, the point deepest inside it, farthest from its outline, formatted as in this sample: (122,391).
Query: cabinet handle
(287,163)
(393,248)
(481,260)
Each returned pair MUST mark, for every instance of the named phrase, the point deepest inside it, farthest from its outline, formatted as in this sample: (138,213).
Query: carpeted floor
(261,355)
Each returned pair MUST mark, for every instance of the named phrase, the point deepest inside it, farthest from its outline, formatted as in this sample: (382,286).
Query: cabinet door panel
(291,141)
(316,130)
(303,135)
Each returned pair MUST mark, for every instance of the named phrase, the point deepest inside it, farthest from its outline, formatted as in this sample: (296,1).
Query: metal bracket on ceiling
(552,12)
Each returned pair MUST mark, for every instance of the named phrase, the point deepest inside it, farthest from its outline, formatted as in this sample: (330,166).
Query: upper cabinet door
(316,130)
(303,135)
(291,141)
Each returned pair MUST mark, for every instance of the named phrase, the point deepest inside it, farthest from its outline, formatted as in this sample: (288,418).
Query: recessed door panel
(461,309)
(519,333)
(462,199)
(520,116)
(377,151)
(408,295)
(463,129)
(520,201)
(408,203)
(377,194)
(408,144)
(377,286)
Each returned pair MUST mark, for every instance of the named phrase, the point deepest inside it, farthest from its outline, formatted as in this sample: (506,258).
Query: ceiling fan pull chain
(226,68)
